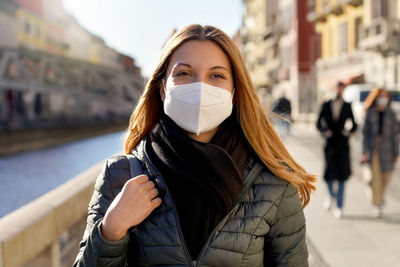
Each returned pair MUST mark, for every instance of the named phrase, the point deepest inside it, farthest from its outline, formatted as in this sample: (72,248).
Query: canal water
(26,176)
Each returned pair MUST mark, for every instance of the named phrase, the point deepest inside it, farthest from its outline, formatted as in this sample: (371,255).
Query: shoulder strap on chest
(252,175)
(134,165)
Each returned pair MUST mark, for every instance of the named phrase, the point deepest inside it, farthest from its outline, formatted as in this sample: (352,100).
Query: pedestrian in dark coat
(332,120)
(213,183)
(283,108)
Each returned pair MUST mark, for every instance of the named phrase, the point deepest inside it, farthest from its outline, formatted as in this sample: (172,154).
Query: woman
(380,144)
(208,193)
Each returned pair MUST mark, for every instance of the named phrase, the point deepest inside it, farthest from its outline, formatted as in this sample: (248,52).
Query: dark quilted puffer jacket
(266,226)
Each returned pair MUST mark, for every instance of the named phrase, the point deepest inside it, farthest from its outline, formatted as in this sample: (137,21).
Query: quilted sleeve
(285,244)
(94,249)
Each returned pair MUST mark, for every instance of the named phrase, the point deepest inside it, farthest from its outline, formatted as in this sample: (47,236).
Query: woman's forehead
(202,53)
(383,93)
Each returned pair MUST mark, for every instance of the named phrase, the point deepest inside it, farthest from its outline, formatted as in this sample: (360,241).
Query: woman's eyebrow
(182,64)
(218,67)
(189,66)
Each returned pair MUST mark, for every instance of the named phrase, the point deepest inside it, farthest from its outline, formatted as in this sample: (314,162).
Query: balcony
(272,32)
(383,35)
(313,16)
(327,9)
(351,2)
(348,60)
(332,9)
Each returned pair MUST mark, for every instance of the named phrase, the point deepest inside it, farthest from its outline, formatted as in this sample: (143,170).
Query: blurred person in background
(380,145)
(3,110)
(333,125)
(283,109)
(222,191)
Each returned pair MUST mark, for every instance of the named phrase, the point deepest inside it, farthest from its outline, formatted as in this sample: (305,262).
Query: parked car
(357,93)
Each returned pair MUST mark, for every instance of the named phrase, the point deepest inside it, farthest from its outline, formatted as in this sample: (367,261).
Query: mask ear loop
(163,84)
(235,108)
(163,90)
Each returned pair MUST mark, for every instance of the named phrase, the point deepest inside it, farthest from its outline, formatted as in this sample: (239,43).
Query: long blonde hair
(256,126)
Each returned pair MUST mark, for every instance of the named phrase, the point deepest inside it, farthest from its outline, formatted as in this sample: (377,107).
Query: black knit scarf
(204,179)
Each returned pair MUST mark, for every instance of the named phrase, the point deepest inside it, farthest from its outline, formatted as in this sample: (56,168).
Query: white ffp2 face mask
(382,101)
(197,107)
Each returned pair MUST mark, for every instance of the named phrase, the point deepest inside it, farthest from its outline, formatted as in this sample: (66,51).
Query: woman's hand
(137,199)
(364,158)
(327,134)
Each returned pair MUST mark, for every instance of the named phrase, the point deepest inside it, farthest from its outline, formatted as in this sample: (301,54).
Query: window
(379,8)
(288,15)
(393,8)
(357,25)
(315,47)
(272,10)
(325,4)
(311,6)
(27,27)
(342,37)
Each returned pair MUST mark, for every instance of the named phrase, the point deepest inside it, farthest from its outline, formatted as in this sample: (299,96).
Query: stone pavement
(357,239)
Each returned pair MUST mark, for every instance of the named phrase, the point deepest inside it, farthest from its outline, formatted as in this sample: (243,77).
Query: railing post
(55,254)
(1,254)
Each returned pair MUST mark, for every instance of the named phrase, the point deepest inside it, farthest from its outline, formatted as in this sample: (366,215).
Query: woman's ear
(162,90)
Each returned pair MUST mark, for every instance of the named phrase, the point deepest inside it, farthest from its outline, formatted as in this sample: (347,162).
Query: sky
(139,28)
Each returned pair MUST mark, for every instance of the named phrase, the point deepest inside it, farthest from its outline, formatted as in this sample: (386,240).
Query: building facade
(8,24)
(337,23)
(254,25)
(260,46)
(379,37)
(360,42)
(297,49)
(280,51)
(53,70)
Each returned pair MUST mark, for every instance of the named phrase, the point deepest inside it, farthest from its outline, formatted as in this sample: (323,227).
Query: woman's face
(382,100)
(199,61)
(384,94)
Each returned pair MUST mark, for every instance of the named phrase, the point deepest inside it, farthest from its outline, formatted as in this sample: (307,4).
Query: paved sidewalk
(357,239)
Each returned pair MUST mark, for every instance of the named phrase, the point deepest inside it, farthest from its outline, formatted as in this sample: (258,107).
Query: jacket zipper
(188,257)
(248,181)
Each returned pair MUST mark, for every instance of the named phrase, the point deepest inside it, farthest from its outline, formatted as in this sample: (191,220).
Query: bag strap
(252,175)
(134,165)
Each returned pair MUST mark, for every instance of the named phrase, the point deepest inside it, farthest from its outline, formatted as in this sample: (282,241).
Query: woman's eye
(183,73)
(219,76)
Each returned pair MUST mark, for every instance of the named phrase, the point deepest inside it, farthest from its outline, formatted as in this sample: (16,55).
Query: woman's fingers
(156,202)
(148,185)
(141,179)
(153,193)
(144,181)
